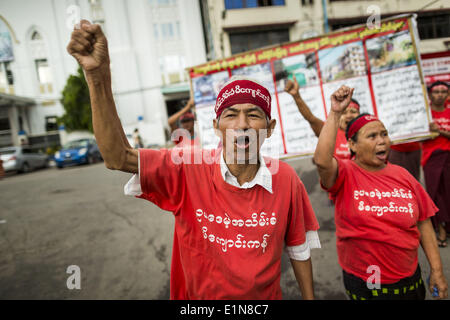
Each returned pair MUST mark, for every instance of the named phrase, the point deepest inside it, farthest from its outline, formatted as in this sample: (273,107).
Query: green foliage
(76,103)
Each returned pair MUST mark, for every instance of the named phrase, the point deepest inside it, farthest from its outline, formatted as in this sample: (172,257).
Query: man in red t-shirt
(182,127)
(341,150)
(436,159)
(234,210)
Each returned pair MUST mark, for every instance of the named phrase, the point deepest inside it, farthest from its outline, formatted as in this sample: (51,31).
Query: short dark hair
(355,102)
(437,83)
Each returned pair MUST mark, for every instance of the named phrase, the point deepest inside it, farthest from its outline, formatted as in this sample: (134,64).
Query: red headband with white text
(243,91)
(358,124)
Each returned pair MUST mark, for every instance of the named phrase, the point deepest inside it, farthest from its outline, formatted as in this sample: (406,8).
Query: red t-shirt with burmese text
(228,241)
(376,217)
(442,119)
(341,149)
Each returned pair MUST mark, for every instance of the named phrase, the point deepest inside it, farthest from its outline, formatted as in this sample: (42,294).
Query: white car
(22,159)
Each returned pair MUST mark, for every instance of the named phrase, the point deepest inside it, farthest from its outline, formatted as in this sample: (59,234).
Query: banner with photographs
(6,48)
(381,64)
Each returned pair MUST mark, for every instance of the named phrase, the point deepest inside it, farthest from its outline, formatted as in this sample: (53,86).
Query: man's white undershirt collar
(263,176)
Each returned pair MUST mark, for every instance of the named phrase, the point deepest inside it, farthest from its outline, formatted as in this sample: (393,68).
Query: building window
(167,30)
(3,79)
(241,42)
(240,4)
(172,68)
(39,55)
(157,3)
(8,72)
(4,124)
(36,36)
(178,29)
(97,14)
(51,123)
(44,75)
(434,26)
(6,78)
(155,31)
(307,2)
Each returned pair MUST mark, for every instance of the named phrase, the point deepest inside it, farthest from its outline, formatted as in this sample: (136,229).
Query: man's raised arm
(88,45)
(292,88)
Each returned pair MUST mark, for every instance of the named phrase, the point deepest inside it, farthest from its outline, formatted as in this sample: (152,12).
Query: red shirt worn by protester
(341,150)
(228,241)
(376,220)
(442,119)
(184,141)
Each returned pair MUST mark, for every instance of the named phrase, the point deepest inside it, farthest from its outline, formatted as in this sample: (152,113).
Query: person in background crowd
(232,219)
(382,212)
(407,155)
(137,140)
(184,119)
(436,159)
(342,150)
(2,170)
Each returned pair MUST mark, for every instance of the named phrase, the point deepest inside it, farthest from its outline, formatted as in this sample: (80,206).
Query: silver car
(22,159)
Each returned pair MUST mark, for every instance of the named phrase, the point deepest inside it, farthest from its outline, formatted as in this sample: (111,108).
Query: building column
(13,117)
(25,122)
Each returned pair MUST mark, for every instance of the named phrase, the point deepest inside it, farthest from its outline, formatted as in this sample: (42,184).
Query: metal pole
(325,16)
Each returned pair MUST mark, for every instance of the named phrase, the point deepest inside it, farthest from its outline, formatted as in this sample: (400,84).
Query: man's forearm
(315,123)
(174,118)
(327,141)
(304,275)
(108,130)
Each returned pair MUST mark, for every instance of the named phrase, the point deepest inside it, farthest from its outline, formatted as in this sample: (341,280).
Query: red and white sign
(436,66)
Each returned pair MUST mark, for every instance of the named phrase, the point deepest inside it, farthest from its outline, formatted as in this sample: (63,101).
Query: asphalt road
(52,219)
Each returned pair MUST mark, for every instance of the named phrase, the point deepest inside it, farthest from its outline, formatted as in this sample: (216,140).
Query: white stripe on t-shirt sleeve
(302,252)
(133,186)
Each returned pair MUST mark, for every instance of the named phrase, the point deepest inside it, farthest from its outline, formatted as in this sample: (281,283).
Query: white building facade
(235,26)
(151,42)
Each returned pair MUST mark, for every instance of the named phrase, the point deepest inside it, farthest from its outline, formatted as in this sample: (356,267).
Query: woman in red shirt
(436,159)
(341,150)
(382,212)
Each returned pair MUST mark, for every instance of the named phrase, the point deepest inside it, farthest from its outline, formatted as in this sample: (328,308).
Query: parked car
(22,159)
(2,171)
(82,151)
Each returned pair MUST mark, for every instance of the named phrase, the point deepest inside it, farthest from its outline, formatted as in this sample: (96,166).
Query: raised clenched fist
(292,87)
(88,46)
(341,98)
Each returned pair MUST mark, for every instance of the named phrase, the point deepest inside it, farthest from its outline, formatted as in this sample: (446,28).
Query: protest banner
(382,64)
(436,66)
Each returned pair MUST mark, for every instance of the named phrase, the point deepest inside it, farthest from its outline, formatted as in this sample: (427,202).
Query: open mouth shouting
(382,155)
(242,142)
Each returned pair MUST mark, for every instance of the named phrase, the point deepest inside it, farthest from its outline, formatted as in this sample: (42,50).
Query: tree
(76,103)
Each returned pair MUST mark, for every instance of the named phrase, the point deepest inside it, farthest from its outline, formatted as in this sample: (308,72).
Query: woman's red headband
(358,124)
